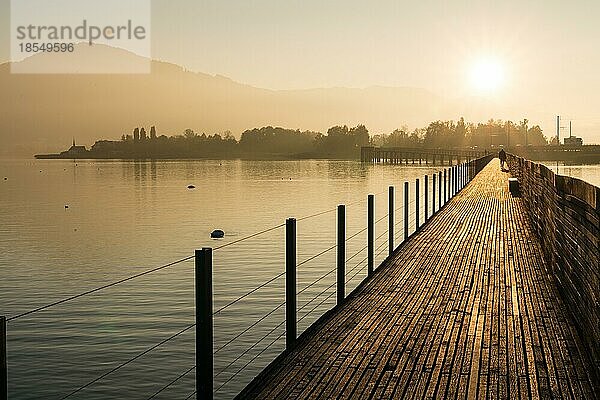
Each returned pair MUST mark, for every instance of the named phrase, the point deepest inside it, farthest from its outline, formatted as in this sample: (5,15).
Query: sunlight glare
(487,75)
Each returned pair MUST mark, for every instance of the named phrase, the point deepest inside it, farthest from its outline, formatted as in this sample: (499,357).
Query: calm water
(588,173)
(127,217)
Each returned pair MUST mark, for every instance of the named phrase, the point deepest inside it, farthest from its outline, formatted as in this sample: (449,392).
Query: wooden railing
(402,155)
(565,213)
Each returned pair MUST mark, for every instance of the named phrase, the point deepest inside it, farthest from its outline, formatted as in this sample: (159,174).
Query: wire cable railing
(248,237)
(247,329)
(191,395)
(356,267)
(106,286)
(349,275)
(380,250)
(251,360)
(326,289)
(244,353)
(320,294)
(278,307)
(258,321)
(357,253)
(170,264)
(143,353)
(318,280)
(254,290)
(319,254)
(401,220)
(379,247)
(331,210)
(282,322)
(168,385)
(41,308)
(318,304)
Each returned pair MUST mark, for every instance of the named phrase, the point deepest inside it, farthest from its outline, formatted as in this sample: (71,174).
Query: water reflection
(588,173)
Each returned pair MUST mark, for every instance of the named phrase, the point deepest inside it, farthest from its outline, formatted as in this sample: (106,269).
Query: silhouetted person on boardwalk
(502,157)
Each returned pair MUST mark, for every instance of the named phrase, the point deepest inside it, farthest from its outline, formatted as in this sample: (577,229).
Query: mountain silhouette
(43,112)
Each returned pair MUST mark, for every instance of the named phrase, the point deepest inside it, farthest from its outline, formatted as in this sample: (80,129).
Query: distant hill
(42,113)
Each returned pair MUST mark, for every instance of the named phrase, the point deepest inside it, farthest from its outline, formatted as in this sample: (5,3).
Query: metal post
(290,283)
(457,179)
(371,234)
(405,210)
(3,363)
(433,195)
(391,220)
(445,186)
(470,171)
(341,254)
(204,324)
(467,173)
(416,205)
(426,198)
(453,175)
(452,181)
(439,190)
(451,188)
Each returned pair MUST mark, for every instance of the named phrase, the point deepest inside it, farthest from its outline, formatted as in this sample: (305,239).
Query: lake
(588,173)
(125,217)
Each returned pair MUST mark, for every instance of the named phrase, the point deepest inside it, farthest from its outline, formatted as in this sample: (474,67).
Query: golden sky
(535,58)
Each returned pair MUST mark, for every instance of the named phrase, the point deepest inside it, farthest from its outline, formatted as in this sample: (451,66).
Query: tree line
(461,134)
(340,141)
(265,142)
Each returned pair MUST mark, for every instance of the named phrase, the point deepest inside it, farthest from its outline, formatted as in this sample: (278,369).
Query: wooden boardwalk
(399,155)
(464,309)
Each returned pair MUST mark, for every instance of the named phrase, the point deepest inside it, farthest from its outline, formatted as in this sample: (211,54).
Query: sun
(487,75)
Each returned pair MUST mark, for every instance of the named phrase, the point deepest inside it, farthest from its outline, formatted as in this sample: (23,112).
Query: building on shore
(573,141)
(75,151)
(107,148)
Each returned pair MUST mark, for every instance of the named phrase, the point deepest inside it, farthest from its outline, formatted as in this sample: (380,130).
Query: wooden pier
(463,309)
(408,155)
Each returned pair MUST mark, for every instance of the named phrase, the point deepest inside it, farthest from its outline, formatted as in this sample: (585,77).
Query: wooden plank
(464,309)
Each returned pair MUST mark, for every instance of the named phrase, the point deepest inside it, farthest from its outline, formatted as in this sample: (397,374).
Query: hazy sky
(547,50)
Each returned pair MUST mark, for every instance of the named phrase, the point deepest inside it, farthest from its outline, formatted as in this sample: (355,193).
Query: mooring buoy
(217,234)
